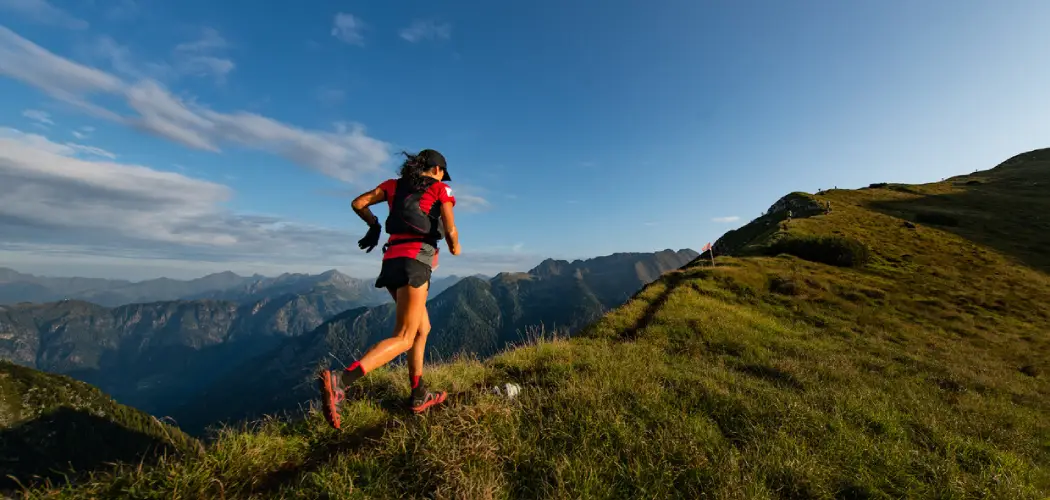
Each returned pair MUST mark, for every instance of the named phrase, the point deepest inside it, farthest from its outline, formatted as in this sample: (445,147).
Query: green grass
(922,374)
(54,428)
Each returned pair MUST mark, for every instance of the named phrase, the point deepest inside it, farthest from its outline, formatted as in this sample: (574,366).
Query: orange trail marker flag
(711,249)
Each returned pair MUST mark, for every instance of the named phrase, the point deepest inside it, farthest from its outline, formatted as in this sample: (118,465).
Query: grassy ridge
(54,428)
(923,374)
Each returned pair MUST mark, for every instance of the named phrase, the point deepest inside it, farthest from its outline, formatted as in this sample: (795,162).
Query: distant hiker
(790,214)
(827,207)
(420,216)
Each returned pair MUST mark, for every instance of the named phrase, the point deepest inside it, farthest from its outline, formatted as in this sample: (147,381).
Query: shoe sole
(436,401)
(331,413)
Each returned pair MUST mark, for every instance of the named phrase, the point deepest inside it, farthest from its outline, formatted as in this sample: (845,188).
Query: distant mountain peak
(224,274)
(550,267)
(333,273)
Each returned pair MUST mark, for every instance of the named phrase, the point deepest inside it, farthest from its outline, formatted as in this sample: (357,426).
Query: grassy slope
(52,425)
(921,375)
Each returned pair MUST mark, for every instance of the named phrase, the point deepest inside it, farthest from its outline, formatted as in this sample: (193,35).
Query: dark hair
(413,169)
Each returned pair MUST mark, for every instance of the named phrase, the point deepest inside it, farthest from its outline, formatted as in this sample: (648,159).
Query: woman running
(420,216)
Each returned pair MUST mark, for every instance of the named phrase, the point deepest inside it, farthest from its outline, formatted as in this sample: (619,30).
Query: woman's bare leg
(411,309)
(415,354)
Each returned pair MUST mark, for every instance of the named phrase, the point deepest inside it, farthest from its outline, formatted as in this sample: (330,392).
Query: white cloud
(83,132)
(210,39)
(199,58)
(58,77)
(723,220)
(119,57)
(57,209)
(34,141)
(470,198)
(38,116)
(42,143)
(46,188)
(348,28)
(471,203)
(91,150)
(42,12)
(343,153)
(426,29)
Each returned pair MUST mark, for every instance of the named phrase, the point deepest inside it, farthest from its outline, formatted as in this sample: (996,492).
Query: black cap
(432,158)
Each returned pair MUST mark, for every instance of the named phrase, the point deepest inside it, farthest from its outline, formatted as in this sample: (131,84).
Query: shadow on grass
(358,440)
(69,443)
(320,455)
(1006,211)
(672,281)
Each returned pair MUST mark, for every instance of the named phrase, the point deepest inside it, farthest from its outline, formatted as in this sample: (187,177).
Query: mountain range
(16,287)
(161,356)
(475,317)
(154,355)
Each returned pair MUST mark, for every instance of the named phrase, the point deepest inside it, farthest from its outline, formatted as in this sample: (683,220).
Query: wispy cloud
(209,40)
(343,153)
(470,198)
(723,220)
(331,96)
(122,10)
(83,132)
(40,11)
(58,77)
(91,150)
(38,116)
(201,57)
(58,206)
(426,29)
(348,28)
(42,143)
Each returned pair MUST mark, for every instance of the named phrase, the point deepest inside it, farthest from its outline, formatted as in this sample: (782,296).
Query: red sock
(415,380)
(352,373)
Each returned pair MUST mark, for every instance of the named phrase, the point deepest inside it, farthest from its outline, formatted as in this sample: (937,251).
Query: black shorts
(401,271)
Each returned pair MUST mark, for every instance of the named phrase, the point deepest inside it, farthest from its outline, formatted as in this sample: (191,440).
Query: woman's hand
(454,248)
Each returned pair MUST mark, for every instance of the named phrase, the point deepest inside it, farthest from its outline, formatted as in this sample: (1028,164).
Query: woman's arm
(451,236)
(361,204)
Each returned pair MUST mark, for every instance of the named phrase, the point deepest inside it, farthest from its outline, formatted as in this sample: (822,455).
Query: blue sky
(143,138)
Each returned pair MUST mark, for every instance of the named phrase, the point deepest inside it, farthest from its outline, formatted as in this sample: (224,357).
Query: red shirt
(439,192)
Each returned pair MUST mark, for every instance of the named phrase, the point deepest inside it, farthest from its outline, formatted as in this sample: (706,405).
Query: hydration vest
(407,216)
